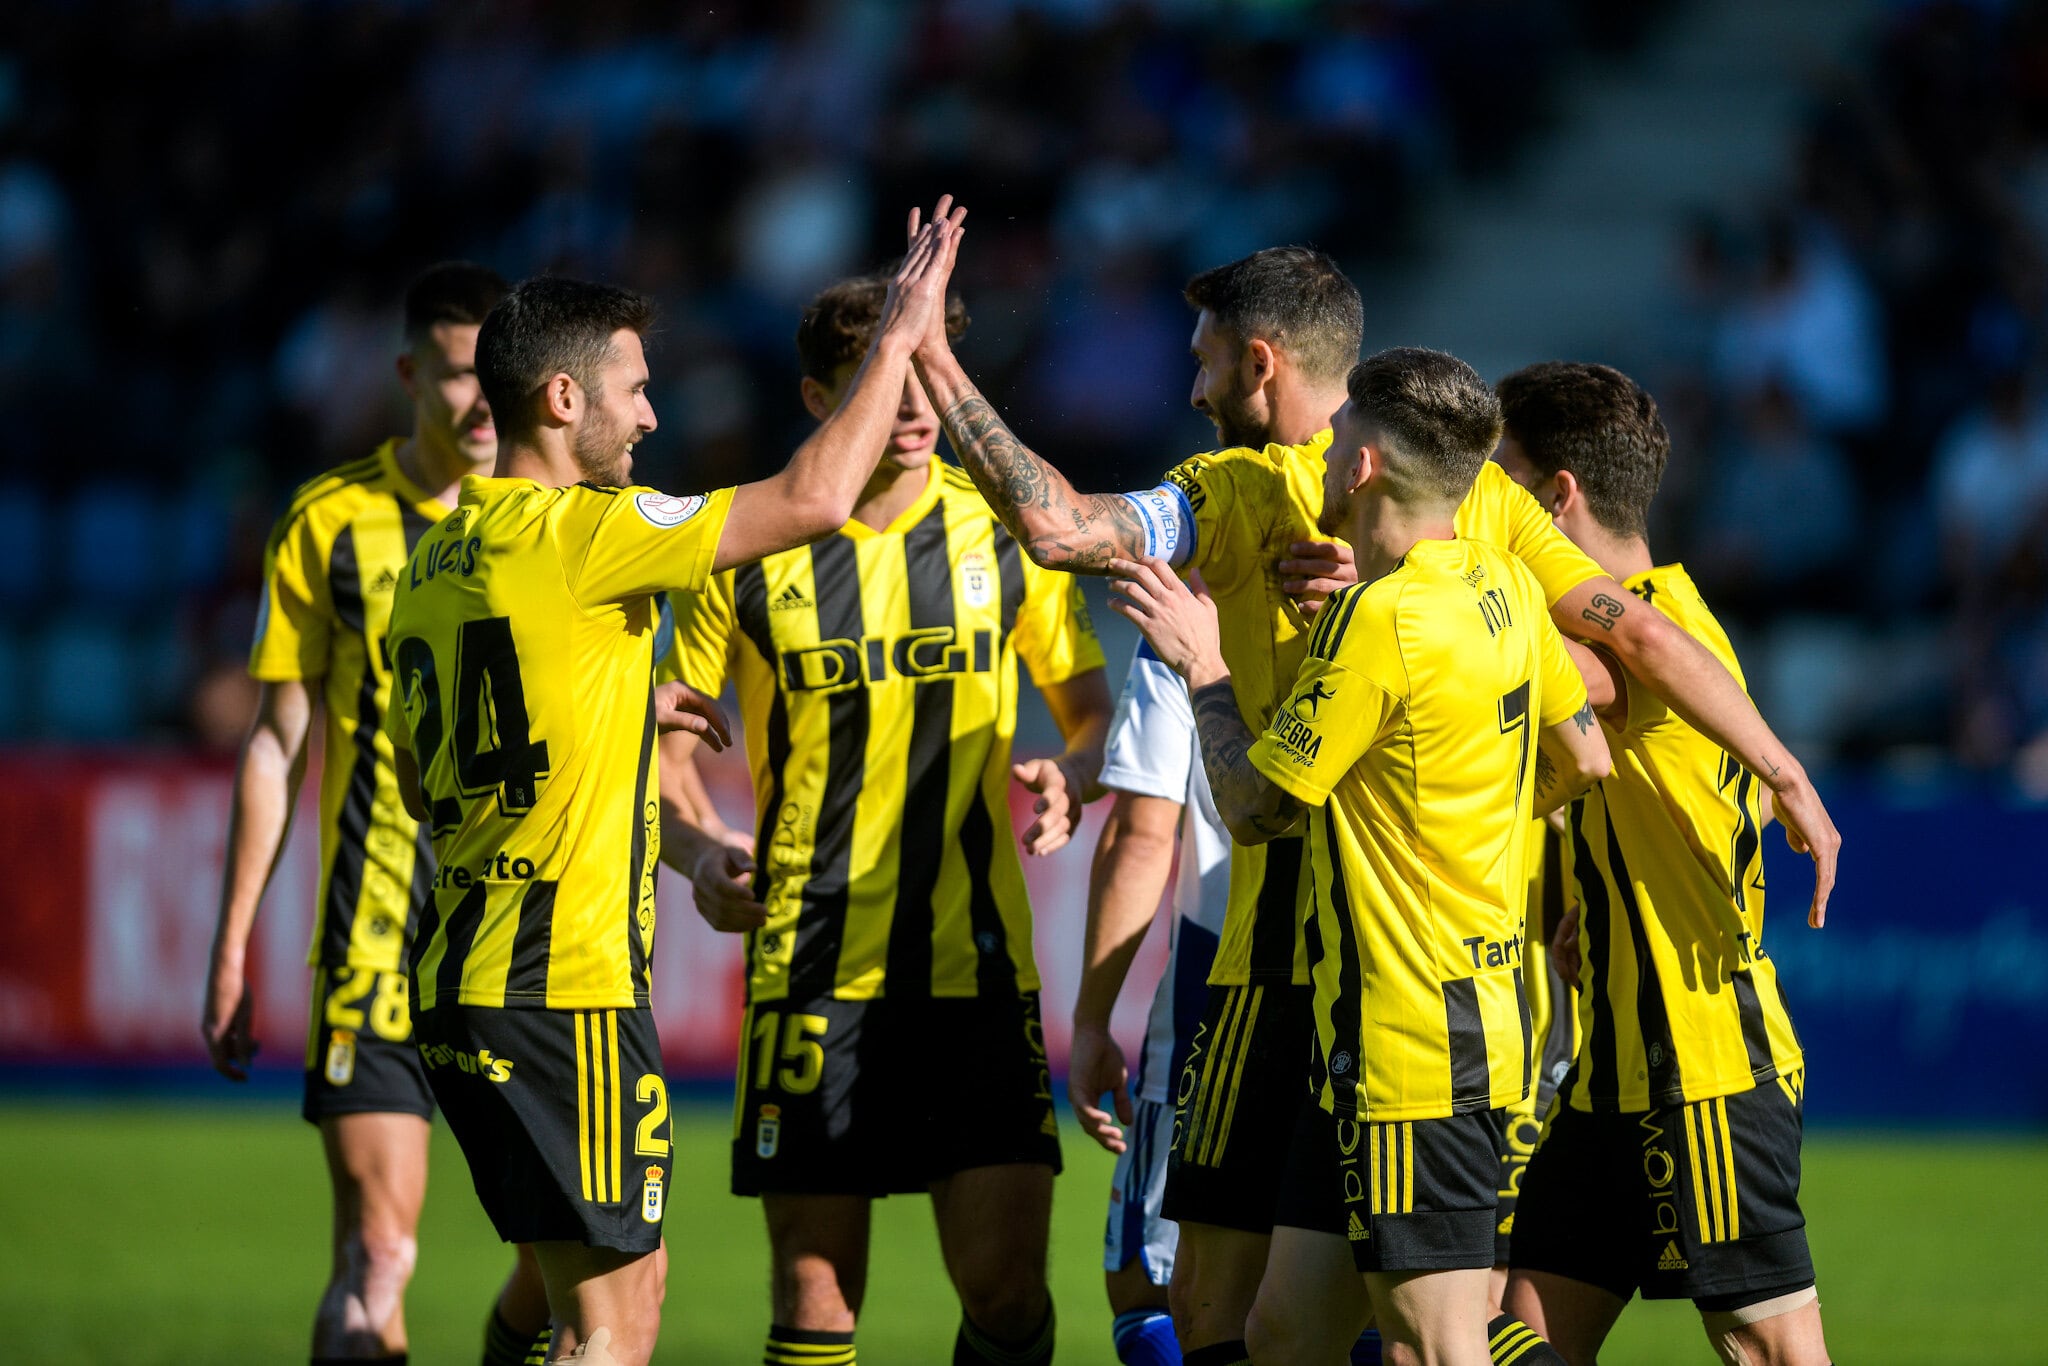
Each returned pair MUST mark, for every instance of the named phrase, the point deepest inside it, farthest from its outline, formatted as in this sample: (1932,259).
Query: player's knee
(1271,1339)
(382,1259)
(1004,1307)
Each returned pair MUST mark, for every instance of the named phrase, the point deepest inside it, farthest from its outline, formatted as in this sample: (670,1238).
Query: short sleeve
(1503,513)
(1561,687)
(1151,745)
(1054,634)
(294,616)
(700,647)
(1330,719)
(619,544)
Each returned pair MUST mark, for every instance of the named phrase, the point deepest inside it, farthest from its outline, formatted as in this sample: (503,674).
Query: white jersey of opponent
(1152,751)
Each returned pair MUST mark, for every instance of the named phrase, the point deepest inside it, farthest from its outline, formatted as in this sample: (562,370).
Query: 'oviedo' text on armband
(1169,523)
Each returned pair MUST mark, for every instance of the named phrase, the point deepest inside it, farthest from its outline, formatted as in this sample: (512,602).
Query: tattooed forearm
(1057,527)
(1604,612)
(1546,778)
(1246,800)
(1583,718)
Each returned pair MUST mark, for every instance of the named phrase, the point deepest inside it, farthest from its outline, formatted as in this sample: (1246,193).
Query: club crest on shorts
(341,1057)
(650,1196)
(768,1132)
(667,510)
(977,578)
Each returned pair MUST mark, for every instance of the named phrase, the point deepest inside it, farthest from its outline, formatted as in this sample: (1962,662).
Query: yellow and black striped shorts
(1244,1080)
(1408,1195)
(563,1116)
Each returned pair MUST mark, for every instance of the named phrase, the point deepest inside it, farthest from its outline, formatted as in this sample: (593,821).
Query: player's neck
(1623,557)
(1383,531)
(547,463)
(1300,413)
(890,490)
(434,471)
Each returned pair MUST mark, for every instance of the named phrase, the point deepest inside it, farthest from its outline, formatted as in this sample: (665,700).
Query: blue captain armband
(1168,521)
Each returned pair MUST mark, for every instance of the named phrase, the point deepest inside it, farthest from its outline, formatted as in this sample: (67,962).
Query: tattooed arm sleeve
(1253,808)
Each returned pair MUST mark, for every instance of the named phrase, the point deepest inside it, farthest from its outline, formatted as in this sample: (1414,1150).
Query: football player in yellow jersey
(522,642)
(1670,1165)
(1409,745)
(329,571)
(877,678)
(1275,336)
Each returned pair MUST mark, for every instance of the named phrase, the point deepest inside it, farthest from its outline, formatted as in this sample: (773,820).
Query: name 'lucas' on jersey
(877,682)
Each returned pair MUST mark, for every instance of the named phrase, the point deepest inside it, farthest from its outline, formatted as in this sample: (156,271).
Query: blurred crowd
(1854,377)
(208,209)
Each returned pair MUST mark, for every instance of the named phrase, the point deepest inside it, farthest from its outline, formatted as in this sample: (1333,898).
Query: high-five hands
(1177,620)
(916,302)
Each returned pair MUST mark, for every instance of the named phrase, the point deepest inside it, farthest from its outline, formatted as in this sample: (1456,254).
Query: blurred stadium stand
(1815,229)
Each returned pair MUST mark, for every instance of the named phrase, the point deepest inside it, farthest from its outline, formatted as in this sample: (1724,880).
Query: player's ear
(1565,493)
(408,373)
(1255,363)
(561,398)
(817,402)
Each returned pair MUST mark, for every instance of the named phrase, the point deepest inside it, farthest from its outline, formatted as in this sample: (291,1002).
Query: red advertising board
(113,881)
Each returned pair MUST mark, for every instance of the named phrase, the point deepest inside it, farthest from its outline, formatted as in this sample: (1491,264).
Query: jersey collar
(387,455)
(934,484)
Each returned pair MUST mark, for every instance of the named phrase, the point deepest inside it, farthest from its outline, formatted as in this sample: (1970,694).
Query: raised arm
(1694,684)
(266,786)
(1133,860)
(1058,527)
(814,494)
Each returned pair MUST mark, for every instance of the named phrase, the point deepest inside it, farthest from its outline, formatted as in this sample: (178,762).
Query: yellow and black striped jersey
(1665,859)
(877,681)
(1232,514)
(328,574)
(522,643)
(1411,729)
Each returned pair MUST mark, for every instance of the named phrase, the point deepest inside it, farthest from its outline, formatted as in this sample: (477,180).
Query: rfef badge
(768,1131)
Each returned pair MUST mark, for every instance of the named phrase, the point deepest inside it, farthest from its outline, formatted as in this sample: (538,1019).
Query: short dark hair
(1433,409)
(839,324)
(452,292)
(1293,298)
(548,326)
(1598,423)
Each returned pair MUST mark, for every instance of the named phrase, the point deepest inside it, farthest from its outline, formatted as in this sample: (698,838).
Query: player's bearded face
(1221,391)
(616,416)
(1339,470)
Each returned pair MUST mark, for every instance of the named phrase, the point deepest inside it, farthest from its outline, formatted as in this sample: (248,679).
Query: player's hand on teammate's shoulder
(227,1023)
(916,301)
(722,885)
(678,706)
(1177,619)
(1313,570)
(1095,1068)
(1058,806)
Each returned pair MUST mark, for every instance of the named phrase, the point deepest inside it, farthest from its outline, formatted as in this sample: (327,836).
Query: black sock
(972,1347)
(807,1347)
(1219,1354)
(505,1345)
(1511,1340)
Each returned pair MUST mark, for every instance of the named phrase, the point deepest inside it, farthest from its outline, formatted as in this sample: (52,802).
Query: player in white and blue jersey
(1154,769)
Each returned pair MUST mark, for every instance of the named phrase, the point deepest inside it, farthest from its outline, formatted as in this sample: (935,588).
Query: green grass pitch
(157,1232)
